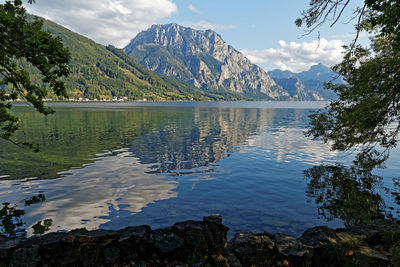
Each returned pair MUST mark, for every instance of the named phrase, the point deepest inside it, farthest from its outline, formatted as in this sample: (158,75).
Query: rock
(319,237)
(135,242)
(7,247)
(167,242)
(233,261)
(25,257)
(203,59)
(250,249)
(254,249)
(191,242)
(374,255)
(215,218)
(289,246)
(203,243)
(345,247)
(307,85)
(56,248)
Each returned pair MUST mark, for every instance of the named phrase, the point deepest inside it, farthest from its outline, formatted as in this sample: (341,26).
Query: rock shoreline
(205,243)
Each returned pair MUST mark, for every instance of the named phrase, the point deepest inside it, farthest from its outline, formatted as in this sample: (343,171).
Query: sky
(263,30)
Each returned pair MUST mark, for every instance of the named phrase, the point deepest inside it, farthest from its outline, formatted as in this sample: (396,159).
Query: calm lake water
(114,165)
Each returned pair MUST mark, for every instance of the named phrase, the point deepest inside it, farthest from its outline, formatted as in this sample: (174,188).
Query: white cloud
(105,21)
(192,8)
(298,57)
(205,25)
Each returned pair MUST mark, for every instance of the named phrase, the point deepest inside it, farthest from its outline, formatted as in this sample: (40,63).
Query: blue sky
(253,24)
(263,30)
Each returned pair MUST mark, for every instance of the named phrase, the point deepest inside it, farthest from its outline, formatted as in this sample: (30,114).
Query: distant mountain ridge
(307,85)
(105,72)
(203,59)
(207,67)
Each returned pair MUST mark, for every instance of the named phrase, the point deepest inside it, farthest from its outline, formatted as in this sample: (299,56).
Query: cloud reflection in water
(82,198)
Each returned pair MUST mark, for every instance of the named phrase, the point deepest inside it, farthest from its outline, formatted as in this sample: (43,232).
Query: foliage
(350,243)
(390,236)
(25,43)
(347,252)
(99,72)
(396,255)
(366,115)
(39,60)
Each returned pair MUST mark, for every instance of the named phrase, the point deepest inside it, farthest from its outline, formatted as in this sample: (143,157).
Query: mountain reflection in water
(114,167)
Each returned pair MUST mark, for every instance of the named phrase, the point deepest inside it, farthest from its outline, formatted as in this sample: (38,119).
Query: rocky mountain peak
(319,66)
(201,58)
(174,35)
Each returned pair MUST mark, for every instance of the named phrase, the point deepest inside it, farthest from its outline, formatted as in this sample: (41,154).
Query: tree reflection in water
(11,219)
(348,193)
(11,223)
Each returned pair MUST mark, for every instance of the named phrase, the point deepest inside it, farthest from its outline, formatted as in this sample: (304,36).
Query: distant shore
(216,104)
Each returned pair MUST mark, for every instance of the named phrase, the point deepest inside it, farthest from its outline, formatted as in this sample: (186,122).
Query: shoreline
(205,243)
(208,104)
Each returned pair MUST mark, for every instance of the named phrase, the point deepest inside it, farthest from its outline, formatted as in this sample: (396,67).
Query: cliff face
(297,90)
(99,72)
(203,59)
(307,85)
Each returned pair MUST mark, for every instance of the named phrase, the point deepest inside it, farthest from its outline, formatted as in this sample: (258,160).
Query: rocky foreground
(204,243)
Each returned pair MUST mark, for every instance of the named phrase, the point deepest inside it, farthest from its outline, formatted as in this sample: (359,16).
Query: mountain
(106,72)
(209,69)
(307,85)
(318,72)
(296,89)
(203,59)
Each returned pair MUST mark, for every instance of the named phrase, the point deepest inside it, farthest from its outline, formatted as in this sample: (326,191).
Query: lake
(120,164)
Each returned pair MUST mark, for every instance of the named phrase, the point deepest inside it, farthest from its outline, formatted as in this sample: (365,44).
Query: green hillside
(105,72)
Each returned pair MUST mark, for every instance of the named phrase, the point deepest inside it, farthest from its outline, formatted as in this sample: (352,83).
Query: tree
(366,115)
(22,43)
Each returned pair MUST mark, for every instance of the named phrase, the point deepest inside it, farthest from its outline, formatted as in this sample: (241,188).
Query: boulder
(200,243)
(204,243)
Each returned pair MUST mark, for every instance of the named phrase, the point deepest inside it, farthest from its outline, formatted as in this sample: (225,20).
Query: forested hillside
(99,72)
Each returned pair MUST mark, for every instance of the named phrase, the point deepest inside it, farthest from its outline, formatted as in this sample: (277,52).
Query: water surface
(114,165)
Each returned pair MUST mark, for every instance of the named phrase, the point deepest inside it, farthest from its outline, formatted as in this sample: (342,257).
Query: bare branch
(340,13)
(358,27)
